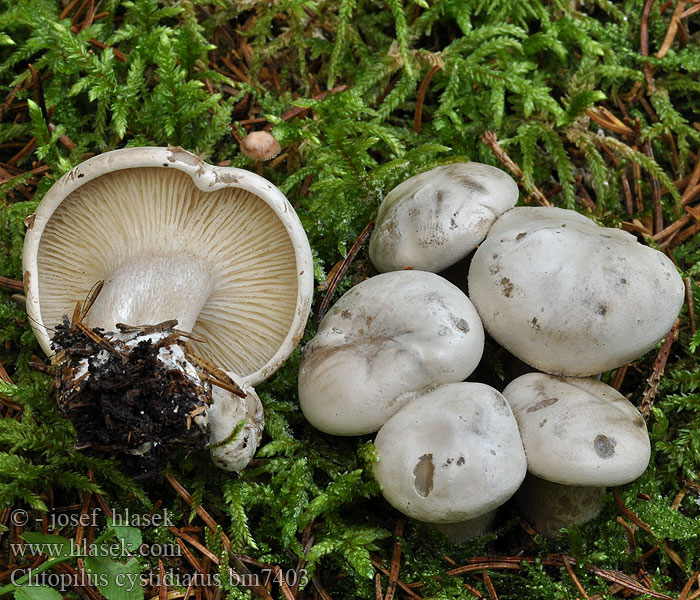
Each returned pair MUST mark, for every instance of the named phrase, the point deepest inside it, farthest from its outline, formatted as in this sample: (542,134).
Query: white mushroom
(580,436)
(391,334)
(435,219)
(218,249)
(569,297)
(235,427)
(451,455)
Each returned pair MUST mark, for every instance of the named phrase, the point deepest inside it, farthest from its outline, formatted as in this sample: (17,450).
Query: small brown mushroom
(260,146)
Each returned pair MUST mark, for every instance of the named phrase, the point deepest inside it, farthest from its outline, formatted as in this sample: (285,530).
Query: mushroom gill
(221,262)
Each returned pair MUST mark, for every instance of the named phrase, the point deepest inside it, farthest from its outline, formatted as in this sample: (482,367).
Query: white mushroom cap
(235,427)
(435,219)
(391,334)
(578,431)
(220,249)
(450,455)
(569,297)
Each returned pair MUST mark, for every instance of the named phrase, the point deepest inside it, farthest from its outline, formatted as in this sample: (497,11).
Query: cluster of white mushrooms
(222,252)
(562,294)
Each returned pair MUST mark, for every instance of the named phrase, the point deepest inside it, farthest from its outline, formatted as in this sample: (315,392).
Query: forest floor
(591,105)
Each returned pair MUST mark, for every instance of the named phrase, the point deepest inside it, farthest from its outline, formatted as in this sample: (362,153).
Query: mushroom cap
(569,297)
(578,431)
(226,239)
(436,218)
(231,451)
(451,454)
(389,335)
(260,145)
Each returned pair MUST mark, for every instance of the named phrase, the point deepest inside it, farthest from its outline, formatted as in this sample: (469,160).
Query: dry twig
(420,99)
(644,42)
(685,592)
(658,371)
(645,527)
(395,562)
(338,272)
(575,579)
(378,586)
(656,206)
(691,304)
(406,588)
(491,140)
(489,587)
(672,29)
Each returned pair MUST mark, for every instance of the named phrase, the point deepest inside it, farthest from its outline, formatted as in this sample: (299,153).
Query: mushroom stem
(550,506)
(151,289)
(458,533)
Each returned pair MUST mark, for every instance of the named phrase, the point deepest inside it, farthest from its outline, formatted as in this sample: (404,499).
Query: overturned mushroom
(435,219)
(451,455)
(389,335)
(569,297)
(220,250)
(580,436)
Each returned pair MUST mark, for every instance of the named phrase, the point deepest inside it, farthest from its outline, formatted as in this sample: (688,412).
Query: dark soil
(127,400)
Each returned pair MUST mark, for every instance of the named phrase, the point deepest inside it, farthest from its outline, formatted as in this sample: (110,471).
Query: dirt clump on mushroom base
(137,394)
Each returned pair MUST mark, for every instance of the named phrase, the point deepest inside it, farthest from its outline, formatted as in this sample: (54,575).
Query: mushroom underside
(221,262)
